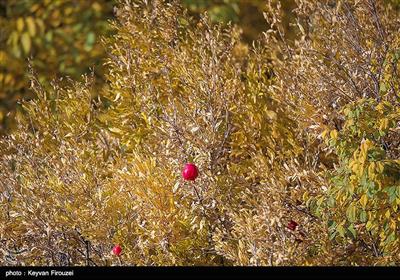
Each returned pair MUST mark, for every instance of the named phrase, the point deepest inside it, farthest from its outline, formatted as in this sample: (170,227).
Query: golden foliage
(286,131)
(342,75)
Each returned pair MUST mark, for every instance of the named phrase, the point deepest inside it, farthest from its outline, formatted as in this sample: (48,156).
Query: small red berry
(292,225)
(117,250)
(190,172)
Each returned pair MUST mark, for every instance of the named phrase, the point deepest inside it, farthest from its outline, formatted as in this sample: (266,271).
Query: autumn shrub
(294,141)
(342,74)
(62,38)
(80,175)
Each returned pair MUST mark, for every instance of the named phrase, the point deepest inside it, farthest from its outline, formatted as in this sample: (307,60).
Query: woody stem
(197,193)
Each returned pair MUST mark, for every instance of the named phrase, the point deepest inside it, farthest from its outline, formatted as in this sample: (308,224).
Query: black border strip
(203,273)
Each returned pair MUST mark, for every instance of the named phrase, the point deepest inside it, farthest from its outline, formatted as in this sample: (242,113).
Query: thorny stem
(376,252)
(87,247)
(87,253)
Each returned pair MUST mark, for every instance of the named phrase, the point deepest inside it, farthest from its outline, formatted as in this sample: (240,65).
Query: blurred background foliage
(248,14)
(61,38)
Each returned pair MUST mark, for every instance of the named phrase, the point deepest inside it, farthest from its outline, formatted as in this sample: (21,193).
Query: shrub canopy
(296,143)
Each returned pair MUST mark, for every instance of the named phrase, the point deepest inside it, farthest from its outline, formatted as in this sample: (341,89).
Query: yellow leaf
(379,167)
(338,6)
(355,167)
(34,8)
(305,196)
(41,25)
(31,26)
(363,200)
(20,24)
(8,79)
(116,130)
(26,42)
(334,134)
(380,108)
(384,124)
(350,122)
(368,225)
(271,114)
(371,169)
(340,230)
(365,147)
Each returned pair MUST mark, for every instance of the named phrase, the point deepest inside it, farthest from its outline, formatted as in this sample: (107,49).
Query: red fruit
(117,250)
(190,172)
(292,225)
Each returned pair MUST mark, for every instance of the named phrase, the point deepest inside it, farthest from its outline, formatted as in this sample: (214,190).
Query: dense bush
(62,37)
(296,143)
(342,74)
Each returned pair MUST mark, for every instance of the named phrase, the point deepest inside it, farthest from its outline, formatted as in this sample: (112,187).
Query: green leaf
(331,225)
(49,37)
(390,238)
(383,88)
(331,202)
(90,39)
(391,191)
(351,213)
(398,191)
(352,231)
(363,216)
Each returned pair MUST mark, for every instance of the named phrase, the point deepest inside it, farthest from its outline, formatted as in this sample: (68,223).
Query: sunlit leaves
(279,134)
(373,187)
(355,119)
